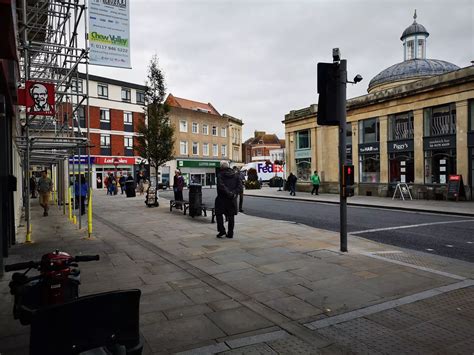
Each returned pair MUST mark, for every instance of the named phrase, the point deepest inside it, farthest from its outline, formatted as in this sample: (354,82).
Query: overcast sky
(256,60)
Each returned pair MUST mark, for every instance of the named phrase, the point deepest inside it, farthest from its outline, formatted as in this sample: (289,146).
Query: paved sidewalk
(276,288)
(436,206)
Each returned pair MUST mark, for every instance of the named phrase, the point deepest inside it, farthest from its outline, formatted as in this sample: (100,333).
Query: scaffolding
(52,52)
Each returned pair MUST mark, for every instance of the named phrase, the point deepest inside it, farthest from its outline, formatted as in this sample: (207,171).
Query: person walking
(178,186)
(316,181)
(229,187)
(33,186)
(292,184)
(81,189)
(45,186)
(241,194)
(130,186)
(122,183)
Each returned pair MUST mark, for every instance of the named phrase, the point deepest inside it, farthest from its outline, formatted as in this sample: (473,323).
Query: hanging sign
(39,98)
(109,33)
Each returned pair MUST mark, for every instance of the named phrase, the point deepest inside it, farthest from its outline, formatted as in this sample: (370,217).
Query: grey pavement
(276,288)
(435,206)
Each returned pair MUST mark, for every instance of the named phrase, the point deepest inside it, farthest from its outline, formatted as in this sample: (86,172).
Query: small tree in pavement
(155,139)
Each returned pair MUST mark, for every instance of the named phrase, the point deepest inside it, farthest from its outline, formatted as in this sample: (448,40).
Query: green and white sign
(109,33)
(198,164)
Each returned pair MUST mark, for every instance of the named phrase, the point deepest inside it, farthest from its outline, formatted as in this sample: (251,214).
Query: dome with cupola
(415,66)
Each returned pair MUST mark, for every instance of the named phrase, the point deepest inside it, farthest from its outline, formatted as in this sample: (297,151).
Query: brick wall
(116,121)
(95,141)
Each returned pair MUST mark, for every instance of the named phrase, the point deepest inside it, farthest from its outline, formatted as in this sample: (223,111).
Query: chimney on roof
(259,133)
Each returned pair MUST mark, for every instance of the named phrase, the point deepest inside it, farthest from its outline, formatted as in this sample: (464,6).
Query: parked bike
(62,323)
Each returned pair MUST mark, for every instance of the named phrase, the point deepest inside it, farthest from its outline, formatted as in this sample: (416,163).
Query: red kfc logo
(39,98)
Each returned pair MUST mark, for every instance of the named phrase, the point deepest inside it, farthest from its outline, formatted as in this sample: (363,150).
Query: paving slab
(238,320)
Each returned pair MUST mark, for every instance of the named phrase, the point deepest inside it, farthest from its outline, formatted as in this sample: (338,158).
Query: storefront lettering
(400,146)
(440,142)
(368,148)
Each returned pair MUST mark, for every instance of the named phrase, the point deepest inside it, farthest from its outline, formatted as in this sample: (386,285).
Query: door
(99,181)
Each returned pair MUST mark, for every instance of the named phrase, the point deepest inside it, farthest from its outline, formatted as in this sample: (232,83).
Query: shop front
(104,166)
(470,141)
(303,164)
(440,158)
(401,162)
(199,171)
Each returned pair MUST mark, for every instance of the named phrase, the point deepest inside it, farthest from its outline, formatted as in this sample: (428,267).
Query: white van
(264,171)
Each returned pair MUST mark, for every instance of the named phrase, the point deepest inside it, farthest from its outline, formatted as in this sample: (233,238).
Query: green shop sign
(198,164)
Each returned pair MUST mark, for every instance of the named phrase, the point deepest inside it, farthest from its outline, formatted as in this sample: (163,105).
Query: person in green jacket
(316,180)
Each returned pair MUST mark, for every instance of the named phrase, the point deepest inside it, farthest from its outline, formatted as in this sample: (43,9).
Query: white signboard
(109,33)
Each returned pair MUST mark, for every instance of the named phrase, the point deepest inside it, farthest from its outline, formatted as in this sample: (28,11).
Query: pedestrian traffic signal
(327,90)
(348,175)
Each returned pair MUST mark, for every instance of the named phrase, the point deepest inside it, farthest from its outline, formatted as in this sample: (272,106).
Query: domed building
(415,127)
(415,66)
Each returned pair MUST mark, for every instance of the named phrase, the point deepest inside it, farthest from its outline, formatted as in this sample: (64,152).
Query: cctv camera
(336,54)
(357,78)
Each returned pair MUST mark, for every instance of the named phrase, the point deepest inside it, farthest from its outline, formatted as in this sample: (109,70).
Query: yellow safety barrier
(89,213)
(69,203)
(28,235)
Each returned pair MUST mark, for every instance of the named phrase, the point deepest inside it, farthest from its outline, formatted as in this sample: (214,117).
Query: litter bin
(195,199)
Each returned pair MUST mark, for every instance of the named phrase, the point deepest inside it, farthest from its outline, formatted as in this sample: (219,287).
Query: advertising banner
(109,33)
(39,98)
(113,160)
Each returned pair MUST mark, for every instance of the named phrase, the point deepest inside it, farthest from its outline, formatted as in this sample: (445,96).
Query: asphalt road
(446,235)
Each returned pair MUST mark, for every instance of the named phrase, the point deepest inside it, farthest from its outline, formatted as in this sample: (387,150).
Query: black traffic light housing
(348,175)
(327,90)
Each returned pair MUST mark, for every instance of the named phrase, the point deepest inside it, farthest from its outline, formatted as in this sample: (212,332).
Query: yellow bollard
(69,203)
(74,219)
(89,213)
(28,235)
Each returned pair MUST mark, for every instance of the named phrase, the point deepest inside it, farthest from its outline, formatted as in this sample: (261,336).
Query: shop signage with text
(198,164)
(400,146)
(369,148)
(113,160)
(445,142)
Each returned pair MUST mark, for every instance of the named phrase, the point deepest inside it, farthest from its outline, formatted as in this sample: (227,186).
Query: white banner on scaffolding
(109,33)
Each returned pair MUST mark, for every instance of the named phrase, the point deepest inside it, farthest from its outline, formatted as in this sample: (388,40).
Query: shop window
(369,131)
(369,168)
(303,169)
(440,120)
(400,126)
(303,140)
(401,168)
(439,164)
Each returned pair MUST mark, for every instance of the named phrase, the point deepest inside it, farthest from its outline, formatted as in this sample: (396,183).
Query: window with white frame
(214,130)
(183,148)
(140,97)
(126,95)
(102,90)
(127,118)
(195,127)
(195,148)
(223,132)
(224,150)
(76,85)
(183,126)
(205,129)
(105,140)
(105,115)
(128,142)
(205,149)
(215,150)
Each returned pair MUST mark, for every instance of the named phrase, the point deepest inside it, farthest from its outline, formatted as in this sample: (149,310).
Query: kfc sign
(39,98)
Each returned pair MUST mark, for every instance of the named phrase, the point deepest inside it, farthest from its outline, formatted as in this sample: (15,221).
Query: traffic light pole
(341,114)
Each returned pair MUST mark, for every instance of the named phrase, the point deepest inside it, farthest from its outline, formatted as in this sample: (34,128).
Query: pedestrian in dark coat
(292,183)
(130,186)
(229,187)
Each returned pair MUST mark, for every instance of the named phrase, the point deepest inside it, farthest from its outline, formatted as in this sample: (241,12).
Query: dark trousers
(230,226)
(241,201)
(315,188)
(83,203)
(292,189)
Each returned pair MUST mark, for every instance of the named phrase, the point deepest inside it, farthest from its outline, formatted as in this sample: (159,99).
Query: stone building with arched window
(415,125)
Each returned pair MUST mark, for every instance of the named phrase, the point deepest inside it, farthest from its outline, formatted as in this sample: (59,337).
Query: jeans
(315,188)
(292,190)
